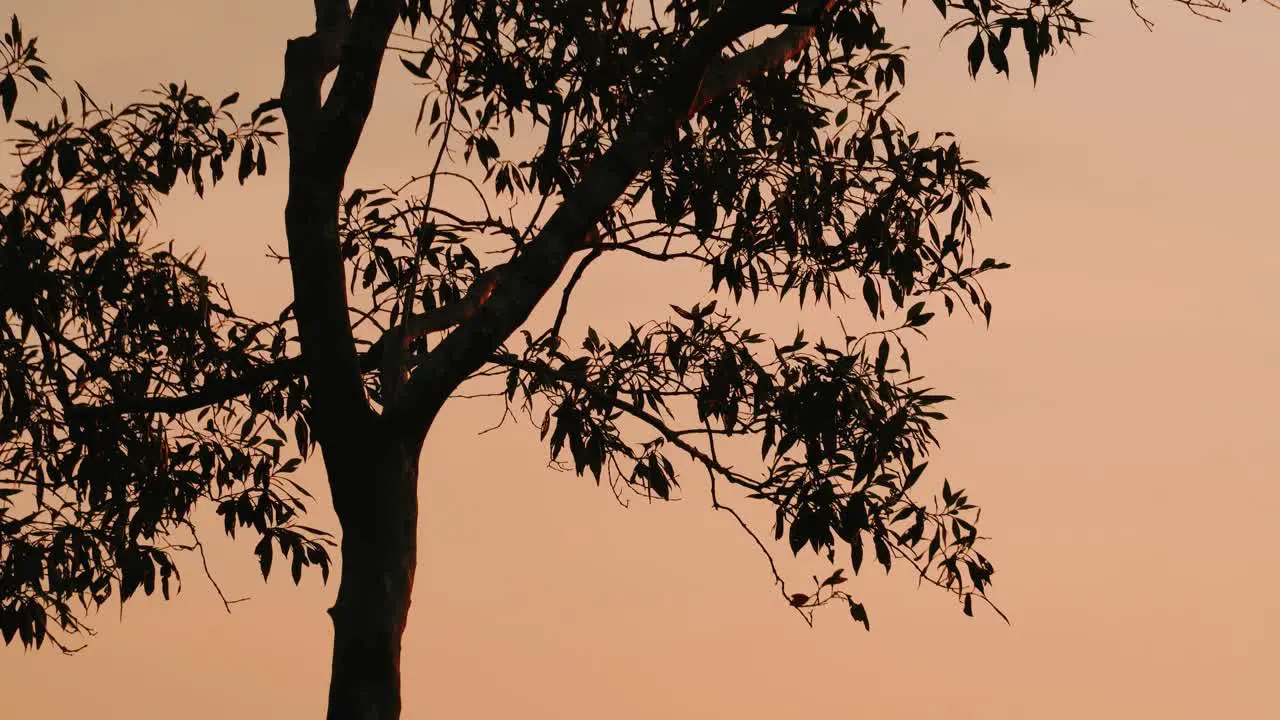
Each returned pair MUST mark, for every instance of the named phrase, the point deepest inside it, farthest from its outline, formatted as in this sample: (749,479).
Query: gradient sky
(1116,423)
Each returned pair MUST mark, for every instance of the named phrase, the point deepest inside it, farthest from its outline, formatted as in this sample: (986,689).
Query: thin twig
(204,562)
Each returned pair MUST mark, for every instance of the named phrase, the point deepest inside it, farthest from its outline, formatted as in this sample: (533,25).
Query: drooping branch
(671,435)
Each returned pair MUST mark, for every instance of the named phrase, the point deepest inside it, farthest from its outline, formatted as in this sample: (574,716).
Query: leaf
(913,476)
(995,50)
(859,614)
(246,162)
(658,481)
(265,107)
(855,554)
(799,535)
(752,206)
(976,53)
(871,294)
(1031,40)
(263,551)
(68,161)
(882,551)
(413,69)
(799,599)
(705,215)
(8,95)
(513,381)
(83,243)
(302,433)
(229,100)
(921,319)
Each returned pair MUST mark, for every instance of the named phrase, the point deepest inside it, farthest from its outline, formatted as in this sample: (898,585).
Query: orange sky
(1116,423)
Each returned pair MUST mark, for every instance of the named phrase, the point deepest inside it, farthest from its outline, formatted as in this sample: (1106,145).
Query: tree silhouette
(755,140)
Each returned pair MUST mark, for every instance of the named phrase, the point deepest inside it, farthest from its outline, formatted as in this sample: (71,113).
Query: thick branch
(351,97)
(728,73)
(322,140)
(531,275)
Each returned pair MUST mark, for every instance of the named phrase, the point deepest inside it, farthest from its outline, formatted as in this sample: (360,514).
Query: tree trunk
(375,484)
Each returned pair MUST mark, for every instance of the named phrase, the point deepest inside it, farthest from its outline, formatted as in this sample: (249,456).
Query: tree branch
(212,393)
(529,277)
(671,435)
(728,73)
(351,97)
(322,140)
(554,333)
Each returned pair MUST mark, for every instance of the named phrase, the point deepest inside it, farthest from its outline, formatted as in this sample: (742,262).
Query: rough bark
(378,511)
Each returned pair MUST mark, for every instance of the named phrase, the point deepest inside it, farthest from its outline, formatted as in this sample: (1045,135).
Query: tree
(133,390)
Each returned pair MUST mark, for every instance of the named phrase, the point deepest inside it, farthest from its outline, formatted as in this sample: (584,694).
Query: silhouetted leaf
(8,95)
(859,614)
(976,54)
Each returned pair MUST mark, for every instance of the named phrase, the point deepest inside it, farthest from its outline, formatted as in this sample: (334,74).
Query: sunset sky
(1116,423)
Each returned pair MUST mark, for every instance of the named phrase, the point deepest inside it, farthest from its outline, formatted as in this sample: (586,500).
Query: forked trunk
(375,496)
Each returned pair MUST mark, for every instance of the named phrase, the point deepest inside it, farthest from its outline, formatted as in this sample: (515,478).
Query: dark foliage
(132,391)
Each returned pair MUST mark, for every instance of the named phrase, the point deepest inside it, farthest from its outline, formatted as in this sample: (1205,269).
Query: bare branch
(568,290)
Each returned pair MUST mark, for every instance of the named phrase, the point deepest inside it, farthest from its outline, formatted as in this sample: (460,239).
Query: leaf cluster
(96,497)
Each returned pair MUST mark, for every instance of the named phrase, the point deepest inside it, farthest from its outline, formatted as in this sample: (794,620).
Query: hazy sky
(1116,423)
